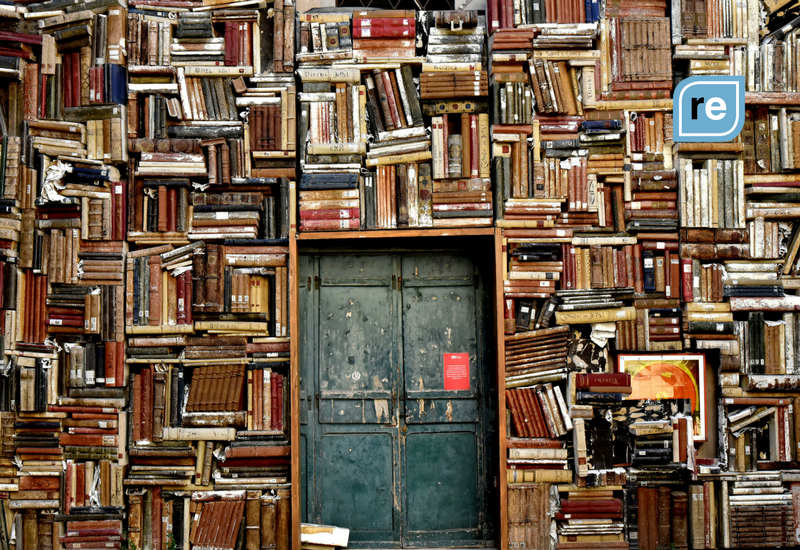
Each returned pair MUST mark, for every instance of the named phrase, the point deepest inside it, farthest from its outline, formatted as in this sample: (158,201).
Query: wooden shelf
(394,233)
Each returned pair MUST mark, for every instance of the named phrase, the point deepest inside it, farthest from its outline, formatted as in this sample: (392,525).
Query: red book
(364,22)
(147,404)
(231,43)
(321,225)
(79,409)
(187,281)
(384,32)
(110,363)
(274,402)
(98,538)
(172,208)
(80,484)
(391,100)
(180,289)
(120,364)
(76,79)
(66,63)
(330,214)
(68,487)
(686,278)
(31,93)
(257,462)
(77,529)
(85,440)
(508,6)
(61,322)
(494,17)
(78,430)
(42,98)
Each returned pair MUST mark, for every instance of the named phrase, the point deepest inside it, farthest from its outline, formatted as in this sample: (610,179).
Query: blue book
(649,271)
(601,125)
(115,83)
(599,396)
(91,174)
(328,178)
(595,12)
(327,185)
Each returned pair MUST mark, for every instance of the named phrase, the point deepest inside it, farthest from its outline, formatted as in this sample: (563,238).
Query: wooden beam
(393,233)
(294,375)
(499,326)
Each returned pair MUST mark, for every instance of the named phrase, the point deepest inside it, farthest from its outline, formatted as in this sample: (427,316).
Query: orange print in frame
(679,376)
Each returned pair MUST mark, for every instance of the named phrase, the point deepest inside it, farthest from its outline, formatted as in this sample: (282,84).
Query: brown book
(147,403)
(159,399)
(466,145)
(680,534)
(154,313)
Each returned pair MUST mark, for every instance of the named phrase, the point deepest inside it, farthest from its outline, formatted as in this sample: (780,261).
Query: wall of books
(648,357)
(148,155)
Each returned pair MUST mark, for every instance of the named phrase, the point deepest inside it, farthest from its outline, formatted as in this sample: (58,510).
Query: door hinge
(308,284)
(316,398)
(316,282)
(394,282)
(308,399)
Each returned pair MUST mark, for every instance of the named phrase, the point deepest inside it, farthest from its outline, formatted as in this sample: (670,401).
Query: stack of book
(590,516)
(587,514)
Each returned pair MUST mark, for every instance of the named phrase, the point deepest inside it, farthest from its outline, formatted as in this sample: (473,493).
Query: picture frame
(669,376)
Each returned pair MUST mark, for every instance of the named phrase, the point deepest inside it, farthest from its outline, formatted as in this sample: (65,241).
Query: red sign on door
(456,371)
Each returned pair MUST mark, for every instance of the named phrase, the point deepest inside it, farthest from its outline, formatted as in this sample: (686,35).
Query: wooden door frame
(409,240)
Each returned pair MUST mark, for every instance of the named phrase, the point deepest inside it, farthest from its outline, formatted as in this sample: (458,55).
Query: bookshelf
(157,190)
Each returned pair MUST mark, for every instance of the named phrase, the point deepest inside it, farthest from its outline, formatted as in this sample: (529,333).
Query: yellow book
(591,316)
(400,159)
(485,165)
(539,476)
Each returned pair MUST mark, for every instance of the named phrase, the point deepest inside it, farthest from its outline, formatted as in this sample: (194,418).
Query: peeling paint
(449,411)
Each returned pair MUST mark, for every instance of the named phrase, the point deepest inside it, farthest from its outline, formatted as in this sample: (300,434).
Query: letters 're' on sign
(456,371)
(708,108)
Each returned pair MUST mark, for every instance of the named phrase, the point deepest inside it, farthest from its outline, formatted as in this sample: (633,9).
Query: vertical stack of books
(213,144)
(332,115)
(460,128)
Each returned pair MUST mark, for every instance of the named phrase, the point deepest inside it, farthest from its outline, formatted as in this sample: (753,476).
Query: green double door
(387,451)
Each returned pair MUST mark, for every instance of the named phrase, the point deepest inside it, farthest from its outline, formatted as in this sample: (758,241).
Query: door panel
(442,497)
(356,479)
(390,454)
(439,317)
(357,338)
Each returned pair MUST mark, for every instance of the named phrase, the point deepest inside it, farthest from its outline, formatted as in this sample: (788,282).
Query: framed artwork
(679,376)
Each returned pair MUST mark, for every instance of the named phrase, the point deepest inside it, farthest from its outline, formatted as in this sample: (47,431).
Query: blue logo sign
(708,108)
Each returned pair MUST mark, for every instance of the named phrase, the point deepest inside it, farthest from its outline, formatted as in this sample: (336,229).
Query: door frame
(481,250)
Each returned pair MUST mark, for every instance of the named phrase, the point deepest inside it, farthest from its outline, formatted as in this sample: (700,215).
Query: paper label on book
(55,322)
(222,215)
(661,245)
(456,371)
(561,233)
(108,440)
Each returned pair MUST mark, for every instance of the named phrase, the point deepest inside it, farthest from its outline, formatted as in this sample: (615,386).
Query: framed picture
(679,376)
